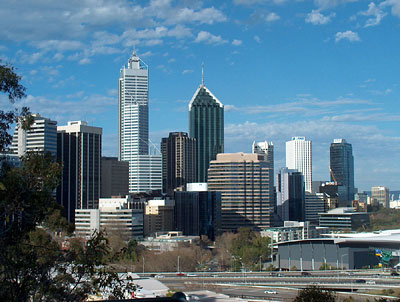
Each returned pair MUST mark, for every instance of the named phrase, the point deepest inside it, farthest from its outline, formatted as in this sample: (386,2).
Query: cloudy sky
(323,69)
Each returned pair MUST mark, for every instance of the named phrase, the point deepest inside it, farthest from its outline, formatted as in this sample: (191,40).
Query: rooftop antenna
(134,48)
(202,74)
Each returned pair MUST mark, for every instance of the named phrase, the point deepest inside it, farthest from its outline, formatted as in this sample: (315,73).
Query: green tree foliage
(385,219)
(10,84)
(246,247)
(315,294)
(33,265)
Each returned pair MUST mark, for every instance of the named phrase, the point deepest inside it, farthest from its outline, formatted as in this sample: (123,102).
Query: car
(159,276)
(394,274)
(191,275)
(305,274)
(360,281)
(180,274)
(370,282)
(270,291)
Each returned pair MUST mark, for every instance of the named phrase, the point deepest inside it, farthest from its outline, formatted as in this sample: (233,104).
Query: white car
(272,292)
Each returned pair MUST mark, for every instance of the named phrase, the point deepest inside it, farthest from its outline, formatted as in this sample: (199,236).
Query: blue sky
(323,69)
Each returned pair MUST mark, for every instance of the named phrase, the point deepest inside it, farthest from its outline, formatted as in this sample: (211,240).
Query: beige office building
(159,216)
(246,185)
(380,195)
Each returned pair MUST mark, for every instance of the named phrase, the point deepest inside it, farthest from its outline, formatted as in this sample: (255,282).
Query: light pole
(143,263)
(342,259)
(260,264)
(179,270)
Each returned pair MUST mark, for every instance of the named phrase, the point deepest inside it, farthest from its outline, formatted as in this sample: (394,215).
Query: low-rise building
(115,216)
(159,216)
(168,241)
(344,219)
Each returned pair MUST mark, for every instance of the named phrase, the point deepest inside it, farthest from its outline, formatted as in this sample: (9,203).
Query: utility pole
(179,270)
(143,263)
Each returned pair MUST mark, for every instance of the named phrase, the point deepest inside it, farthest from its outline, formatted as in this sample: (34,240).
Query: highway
(253,285)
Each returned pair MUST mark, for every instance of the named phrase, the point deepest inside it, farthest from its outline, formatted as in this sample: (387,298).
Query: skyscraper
(206,124)
(380,196)
(290,195)
(79,151)
(179,161)
(246,190)
(267,149)
(133,127)
(299,157)
(42,136)
(342,170)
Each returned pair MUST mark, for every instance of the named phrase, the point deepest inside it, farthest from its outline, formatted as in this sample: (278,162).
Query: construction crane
(333,176)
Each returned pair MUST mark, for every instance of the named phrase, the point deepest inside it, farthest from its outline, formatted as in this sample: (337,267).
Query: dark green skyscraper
(206,124)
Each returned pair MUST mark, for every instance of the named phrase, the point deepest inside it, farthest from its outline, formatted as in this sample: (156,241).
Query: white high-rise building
(267,149)
(42,136)
(299,156)
(133,128)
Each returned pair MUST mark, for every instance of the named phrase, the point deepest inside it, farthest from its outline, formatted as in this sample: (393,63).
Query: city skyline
(321,69)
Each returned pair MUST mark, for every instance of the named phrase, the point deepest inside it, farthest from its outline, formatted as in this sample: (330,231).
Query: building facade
(206,125)
(114,215)
(342,170)
(267,149)
(316,203)
(344,219)
(41,137)
(79,151)
(290,195)
(114,177)
(133,127)
(198,212)
(299,157)
(380,196)
(179,161)
(159,216)
(246,187)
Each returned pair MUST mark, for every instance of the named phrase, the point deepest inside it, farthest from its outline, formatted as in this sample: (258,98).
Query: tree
(33,266)
(315,294)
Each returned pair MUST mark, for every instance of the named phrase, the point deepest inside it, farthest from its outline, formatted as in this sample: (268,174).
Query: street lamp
(342,259)
(179,270)
(143,263)
(260,264)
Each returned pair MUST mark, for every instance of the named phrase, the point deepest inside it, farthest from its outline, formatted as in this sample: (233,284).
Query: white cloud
(316,18)
(237,42)
(84,61)
(209,38)
(377,15)
(257,39)
(172,60)
(252,2)
(58,45)
(327,4)
(347,35)
(186,71)
(271,17)
(395,4)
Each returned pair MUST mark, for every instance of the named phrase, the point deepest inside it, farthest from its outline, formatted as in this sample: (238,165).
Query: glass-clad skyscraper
(206,124)
(342,170)
(133,127)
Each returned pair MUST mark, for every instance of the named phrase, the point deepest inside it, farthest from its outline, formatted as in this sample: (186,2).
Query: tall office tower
(114,177)
(342,170)
(179,161)
(133,127)
(299,157)
(198,211)
(267,149)
(380,196)
(246,190)
(42,136)
(206,125)
(79,151)
(290,195)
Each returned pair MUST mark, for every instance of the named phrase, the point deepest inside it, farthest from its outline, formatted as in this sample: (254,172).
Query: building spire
(202,74)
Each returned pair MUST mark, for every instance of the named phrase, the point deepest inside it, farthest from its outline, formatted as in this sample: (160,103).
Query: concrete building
(344,219)
(342,170)
(267,149)
(290,195)
(315,204)
(246,187)
(179,161)
(114,215)
(167,241)
(380,196)
(299,157)
(114,177)
(159,216)
(206,125)
(79,151)
(344,251)
(133,127)
(42,136)
(198,212)
(293,230)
